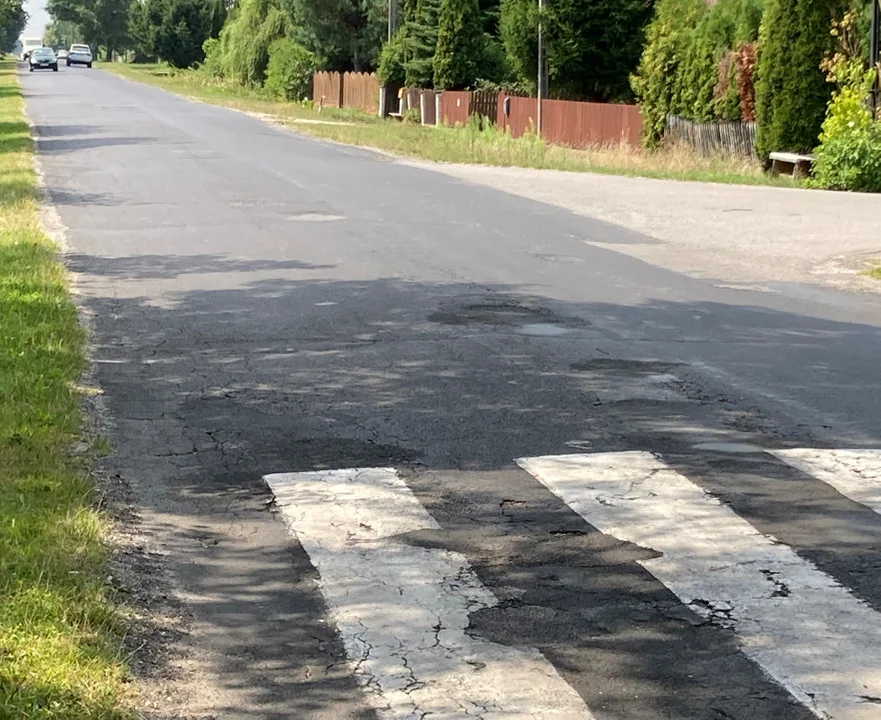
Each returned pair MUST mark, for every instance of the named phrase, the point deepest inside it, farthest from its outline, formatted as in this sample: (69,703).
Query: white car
(79,55)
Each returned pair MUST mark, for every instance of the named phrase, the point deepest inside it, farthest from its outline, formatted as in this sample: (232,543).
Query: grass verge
(59,633)
(468,145)
(874,273)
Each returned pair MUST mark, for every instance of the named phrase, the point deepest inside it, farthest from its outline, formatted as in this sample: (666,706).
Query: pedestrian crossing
(403,610)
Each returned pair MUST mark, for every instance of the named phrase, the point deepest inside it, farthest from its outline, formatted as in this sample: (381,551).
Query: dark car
(43,59)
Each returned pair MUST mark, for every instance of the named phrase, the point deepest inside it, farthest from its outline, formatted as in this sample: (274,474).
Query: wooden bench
(793,163)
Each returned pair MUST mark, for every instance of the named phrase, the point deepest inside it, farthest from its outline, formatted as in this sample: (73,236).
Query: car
(43,58)
(62,54)
(79,55)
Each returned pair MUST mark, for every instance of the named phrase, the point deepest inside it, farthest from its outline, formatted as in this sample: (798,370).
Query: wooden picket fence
(359,91)
(724,138)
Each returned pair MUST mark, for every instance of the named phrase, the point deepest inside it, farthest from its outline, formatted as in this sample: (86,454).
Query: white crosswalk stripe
(856,474)
(402,610)
(807,632)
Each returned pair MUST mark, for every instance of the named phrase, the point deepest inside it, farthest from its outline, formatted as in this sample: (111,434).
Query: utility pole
(873,52)
(392,11)
(541,68)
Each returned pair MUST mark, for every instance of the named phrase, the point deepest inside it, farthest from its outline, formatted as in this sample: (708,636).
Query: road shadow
(167,267)
(55,145)
(210,390)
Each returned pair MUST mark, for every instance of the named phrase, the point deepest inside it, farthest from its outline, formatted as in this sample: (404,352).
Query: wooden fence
(455,107)
(576,124)
(327,89)
(728,138)
(360,91)
(349,90)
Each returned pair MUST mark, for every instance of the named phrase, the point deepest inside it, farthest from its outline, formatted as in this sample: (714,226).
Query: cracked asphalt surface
(267,303)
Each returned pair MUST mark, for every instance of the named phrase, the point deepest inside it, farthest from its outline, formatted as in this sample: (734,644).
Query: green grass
(467,145)
(59,632)
(874,273)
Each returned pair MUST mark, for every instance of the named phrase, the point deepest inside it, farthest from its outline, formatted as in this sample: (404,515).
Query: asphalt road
(268,305)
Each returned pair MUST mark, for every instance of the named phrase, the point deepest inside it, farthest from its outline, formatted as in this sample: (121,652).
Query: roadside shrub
(725,95)
(391,60)
(212,62)
(745,67)
(289,71)
(691,64)
(849,154)
(849,158)
(655,81)
(791,92)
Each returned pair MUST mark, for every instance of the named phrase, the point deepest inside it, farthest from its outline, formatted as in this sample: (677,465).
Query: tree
(290,69)
(459,44)
(103,23)
(140,31)
(242,52)
(791,91)
(62,34)
(178,29)
(420,38)
(591,47)
(13,19)
(348,34)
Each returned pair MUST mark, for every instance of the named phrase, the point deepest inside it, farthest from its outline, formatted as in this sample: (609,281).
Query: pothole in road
(528,319)
(543,330)
(617,380)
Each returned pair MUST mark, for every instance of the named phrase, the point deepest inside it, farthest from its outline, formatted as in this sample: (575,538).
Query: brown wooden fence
(577,124)
(455,107)
(350,90)
(360,91)
(729,138)
(327,89)
(485,104)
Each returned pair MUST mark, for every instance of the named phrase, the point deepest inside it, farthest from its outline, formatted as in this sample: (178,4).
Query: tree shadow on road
(210,390)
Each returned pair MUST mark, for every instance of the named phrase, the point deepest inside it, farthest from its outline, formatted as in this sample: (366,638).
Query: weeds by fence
(728,138)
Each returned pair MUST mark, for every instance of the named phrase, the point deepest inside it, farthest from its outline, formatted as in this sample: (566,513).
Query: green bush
(289,71)
(656,81)
(687,66)
(212,63)
(391,60)
(849,154)
(791,91)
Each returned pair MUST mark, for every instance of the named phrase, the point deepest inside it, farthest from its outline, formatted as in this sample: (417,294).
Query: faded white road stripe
(807,632)
(856,474)
(402,610)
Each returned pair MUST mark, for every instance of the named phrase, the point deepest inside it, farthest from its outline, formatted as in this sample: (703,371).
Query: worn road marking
(403,611)
(856,474)
(808,633)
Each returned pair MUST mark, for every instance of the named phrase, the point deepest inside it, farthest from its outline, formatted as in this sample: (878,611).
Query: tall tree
(420,33)
(180,28)
(243,51)
(792,92)
(62,34)
(591,47)
(141,31)
(13,18)
(104,23)
(348,34)
(459,44)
